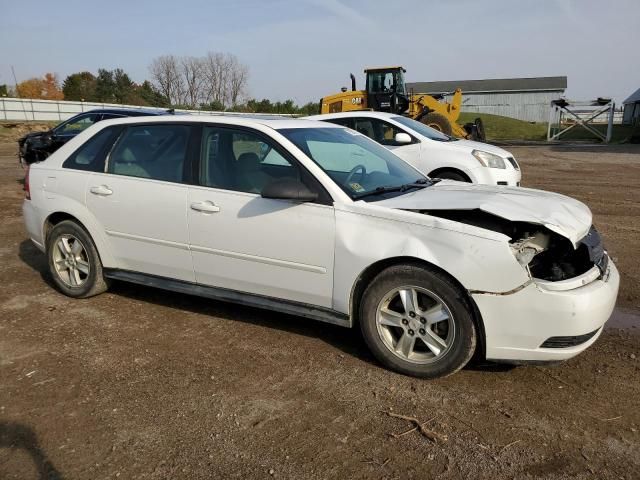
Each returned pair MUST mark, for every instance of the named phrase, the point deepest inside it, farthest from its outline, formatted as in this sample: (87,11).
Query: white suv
(435,154)
(317,220)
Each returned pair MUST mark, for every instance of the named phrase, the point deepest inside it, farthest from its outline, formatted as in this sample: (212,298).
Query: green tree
(262,106)
(241,107)
(151,96)
(311,108)
(105,86)
(124,89)
(214,105)
(4,91)
(80,86)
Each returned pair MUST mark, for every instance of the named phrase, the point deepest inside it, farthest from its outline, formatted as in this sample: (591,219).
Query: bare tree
(192,70)
(165,71)
(238,75)
(217,78)
(215,74)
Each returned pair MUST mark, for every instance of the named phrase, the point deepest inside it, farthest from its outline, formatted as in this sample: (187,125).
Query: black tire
(438,121)
(93,282)
(461,347)
(452,175)
(480,133)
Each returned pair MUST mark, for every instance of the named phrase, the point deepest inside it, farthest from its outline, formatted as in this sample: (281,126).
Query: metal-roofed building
(631,112)
(526,99)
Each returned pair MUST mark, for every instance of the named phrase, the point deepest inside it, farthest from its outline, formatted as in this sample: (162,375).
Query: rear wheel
(74,262)
(417,322)
(438,121)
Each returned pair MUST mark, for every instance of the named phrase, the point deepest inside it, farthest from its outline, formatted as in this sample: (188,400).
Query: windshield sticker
(356,187)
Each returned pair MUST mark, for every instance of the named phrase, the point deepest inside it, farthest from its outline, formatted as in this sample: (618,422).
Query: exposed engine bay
(545,254)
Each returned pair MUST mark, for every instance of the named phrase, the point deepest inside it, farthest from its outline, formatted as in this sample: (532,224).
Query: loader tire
(438,121)
(480,134)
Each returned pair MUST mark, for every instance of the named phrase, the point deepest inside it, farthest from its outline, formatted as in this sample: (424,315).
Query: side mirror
(402,138)
(288,189)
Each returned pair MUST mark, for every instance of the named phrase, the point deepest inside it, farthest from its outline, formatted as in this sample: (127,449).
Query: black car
(36,146)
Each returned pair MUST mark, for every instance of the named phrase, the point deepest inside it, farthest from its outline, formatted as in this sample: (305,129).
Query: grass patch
(504,128)
(498,127)
(619,134)
(11,130)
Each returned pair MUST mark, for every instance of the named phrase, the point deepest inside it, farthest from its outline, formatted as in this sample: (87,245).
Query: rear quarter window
(91,154)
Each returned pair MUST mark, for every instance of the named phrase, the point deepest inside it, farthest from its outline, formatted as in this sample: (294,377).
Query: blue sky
(302,49)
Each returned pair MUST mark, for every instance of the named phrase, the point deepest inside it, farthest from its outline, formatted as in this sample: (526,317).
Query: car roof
(128,111)
(354,113)
(271,121)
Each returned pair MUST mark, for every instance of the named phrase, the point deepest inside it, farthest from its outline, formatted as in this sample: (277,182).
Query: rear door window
(157,152)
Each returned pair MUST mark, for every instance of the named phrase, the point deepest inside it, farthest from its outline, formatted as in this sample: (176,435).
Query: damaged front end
(553,258)
(546,255)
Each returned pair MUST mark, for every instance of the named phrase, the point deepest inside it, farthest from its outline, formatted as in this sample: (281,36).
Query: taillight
(27,190)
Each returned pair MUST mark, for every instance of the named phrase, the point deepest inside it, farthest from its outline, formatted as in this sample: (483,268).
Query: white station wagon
(430,151)
(317,220)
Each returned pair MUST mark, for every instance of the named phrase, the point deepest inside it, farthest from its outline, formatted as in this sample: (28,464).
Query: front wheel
(74,262)
(417,322)
(452,175)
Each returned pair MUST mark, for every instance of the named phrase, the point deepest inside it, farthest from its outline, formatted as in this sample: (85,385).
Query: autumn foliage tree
(45,88)
(51,87)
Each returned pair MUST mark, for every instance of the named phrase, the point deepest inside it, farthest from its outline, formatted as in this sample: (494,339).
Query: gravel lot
(140,383)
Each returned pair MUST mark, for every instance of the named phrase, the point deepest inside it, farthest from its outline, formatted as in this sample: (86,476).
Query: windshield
(384,81)
(357,164)
(423,129)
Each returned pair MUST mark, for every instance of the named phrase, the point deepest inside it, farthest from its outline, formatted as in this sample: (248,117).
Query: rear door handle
(207,207)
(101,190)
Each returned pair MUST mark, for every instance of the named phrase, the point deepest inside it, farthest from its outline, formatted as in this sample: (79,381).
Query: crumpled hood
(32,136)
(563,215)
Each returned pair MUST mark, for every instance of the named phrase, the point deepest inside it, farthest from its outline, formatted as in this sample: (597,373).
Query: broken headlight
(527,248)
(548,256)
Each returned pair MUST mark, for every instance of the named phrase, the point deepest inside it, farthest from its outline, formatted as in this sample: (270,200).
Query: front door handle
(101,190)
(207,207)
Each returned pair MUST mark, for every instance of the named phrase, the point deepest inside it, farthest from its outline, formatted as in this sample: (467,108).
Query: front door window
(241,160)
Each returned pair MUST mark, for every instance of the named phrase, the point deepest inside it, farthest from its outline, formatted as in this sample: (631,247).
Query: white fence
(22,109)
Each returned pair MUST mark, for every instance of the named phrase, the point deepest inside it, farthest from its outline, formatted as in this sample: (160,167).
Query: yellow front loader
(386,92)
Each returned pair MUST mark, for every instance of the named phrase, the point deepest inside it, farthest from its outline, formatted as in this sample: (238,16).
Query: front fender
(478,259)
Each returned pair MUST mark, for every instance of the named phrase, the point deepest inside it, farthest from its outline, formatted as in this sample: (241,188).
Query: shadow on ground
(35,259)
(18,436)
(349,341)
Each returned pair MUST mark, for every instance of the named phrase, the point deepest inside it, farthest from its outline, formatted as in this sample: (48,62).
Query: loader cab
(386,90)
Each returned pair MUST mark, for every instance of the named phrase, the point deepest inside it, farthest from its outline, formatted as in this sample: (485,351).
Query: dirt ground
(140,383)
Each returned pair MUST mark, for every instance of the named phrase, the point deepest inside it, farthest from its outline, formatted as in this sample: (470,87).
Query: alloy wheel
(415,324)
(71,261)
